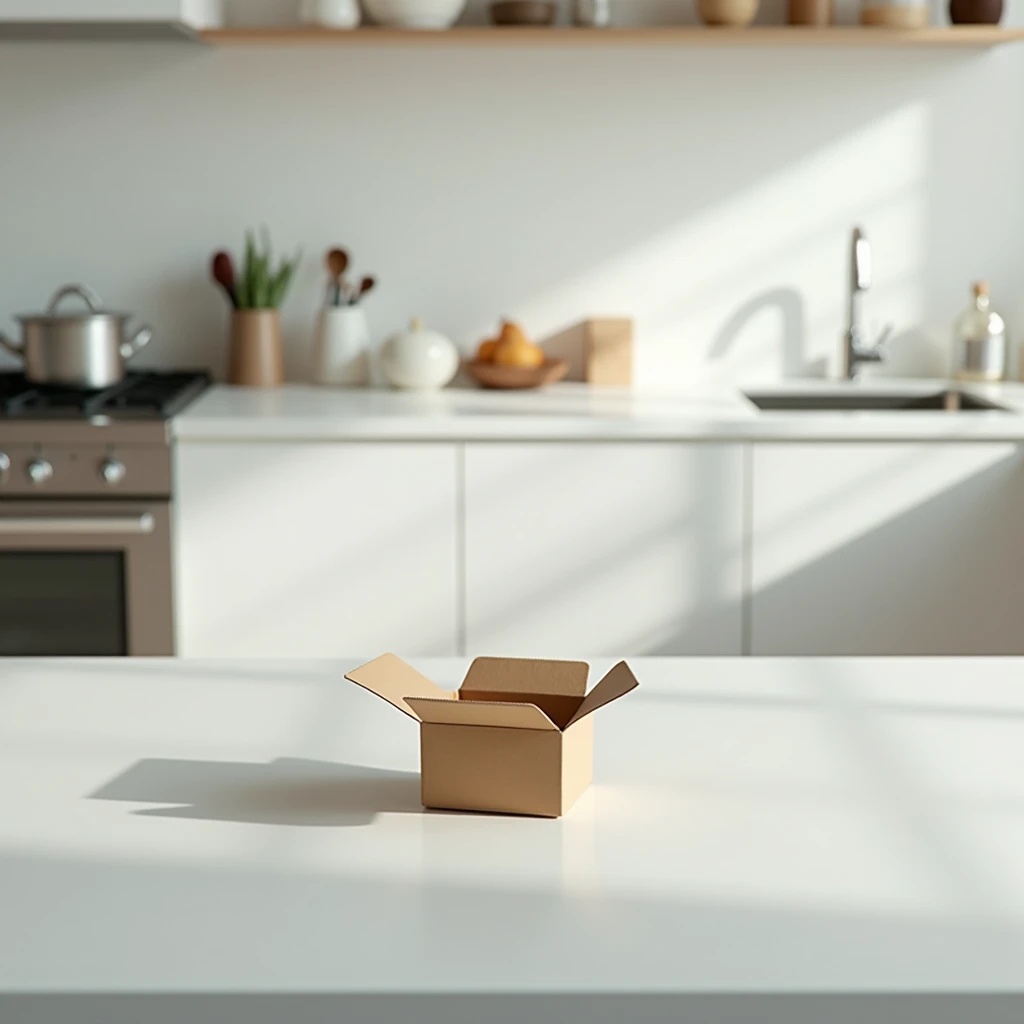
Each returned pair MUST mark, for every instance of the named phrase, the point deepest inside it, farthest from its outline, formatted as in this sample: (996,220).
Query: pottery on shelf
(421,14)
(728,13)
(897,14)
(975,12)
(524,12)
(419,359)
(330,13)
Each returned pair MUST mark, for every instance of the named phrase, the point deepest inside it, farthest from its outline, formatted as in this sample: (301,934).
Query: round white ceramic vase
(330,13)
(419,359)
(341,347)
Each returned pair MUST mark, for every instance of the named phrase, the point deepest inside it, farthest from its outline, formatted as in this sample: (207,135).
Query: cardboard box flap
(617,683)
(527,675)
(493,713)
(394,680)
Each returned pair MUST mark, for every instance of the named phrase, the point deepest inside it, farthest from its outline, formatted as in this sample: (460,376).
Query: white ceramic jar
(419,359)
(341,347)
(330,13)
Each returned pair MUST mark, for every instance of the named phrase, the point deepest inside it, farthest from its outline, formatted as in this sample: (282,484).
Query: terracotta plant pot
(728,13)
(256,353)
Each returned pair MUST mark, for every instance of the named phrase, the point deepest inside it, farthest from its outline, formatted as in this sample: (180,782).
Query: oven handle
(78,525)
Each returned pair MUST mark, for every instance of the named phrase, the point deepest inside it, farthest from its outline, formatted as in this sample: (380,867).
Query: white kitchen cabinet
(591,549)
(887,548)
(316,550)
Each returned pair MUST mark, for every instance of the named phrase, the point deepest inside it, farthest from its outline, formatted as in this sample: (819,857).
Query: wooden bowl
(523,12)
(516,378)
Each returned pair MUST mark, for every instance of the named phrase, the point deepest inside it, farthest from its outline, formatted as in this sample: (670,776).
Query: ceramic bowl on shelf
(728,13)
(523,12)
(421,14)
(516,378)
(330,13)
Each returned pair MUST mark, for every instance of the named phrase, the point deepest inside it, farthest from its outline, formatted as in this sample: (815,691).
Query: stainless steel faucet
(855,351)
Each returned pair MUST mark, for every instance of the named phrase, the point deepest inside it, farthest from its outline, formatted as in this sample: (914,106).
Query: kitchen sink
(939,401)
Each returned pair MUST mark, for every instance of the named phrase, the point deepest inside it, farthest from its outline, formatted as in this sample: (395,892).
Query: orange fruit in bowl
(519,352)
(485,353)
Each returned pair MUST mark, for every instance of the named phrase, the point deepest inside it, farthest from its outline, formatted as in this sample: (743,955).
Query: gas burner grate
(141,395)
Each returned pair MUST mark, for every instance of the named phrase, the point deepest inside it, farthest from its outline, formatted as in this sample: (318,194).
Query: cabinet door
(879,548)
(585,549)
(316,550)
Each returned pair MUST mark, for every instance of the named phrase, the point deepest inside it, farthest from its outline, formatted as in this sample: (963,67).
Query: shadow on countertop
(286,791)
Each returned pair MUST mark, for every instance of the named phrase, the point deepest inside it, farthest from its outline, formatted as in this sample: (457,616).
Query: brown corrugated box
(515,738)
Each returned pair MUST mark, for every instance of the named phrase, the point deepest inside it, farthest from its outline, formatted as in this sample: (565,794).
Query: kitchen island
(765,840)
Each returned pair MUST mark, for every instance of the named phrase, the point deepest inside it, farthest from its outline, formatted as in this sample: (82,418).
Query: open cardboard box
(516,737)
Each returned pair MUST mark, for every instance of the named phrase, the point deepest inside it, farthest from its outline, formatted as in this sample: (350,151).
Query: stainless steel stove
(85,503)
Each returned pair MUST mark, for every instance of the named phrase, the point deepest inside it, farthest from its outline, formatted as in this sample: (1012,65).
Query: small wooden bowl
(523,12)
(516,378)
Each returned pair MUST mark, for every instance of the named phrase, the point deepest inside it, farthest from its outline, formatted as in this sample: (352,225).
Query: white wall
(708,193)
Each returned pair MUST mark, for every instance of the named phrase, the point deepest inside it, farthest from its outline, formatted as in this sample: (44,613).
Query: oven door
(85,579)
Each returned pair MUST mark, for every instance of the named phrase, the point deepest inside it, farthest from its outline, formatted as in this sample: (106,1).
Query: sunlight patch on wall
(755,287)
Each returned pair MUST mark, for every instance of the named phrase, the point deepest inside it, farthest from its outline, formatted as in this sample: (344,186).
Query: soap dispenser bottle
(979,341)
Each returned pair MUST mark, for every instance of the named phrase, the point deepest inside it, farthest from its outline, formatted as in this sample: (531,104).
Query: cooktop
(142,395)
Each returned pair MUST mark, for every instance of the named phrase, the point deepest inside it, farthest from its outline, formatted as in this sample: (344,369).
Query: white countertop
(755,826)
(577,412)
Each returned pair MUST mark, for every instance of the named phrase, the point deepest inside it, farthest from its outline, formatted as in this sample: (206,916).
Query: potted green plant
(255,348)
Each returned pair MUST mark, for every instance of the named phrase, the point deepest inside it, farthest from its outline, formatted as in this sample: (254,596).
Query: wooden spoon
(222,268)
(367,286)
(337,264)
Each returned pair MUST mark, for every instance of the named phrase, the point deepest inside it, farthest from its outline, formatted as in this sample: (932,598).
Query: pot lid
(92,301)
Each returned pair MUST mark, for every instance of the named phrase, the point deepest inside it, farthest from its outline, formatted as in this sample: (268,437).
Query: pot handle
(139,340)
(11,347)
(92,300)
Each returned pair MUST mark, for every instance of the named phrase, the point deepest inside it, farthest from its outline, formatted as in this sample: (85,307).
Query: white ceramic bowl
(415,13)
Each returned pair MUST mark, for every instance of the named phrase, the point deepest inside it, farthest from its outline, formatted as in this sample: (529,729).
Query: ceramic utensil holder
(256,352)
(341,347)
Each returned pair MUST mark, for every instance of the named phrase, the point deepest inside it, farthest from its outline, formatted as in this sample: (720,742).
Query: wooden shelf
(960,37)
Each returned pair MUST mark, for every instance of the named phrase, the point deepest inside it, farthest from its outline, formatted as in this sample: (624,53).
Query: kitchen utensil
(811,12)
(341,347)
(365,287)
(222,269)
(256,352)
(344,14)
(419,14)
(592,13)
(516,378)
(337,264)
(728,13)
(523,12)
(76,350)
(975,12)
(419,359)
(979,341)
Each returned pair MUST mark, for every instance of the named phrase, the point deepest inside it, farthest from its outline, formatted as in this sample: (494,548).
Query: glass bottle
(979,341)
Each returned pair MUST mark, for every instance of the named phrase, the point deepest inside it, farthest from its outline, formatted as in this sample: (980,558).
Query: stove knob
(39,471)
(5,467)
(113,471)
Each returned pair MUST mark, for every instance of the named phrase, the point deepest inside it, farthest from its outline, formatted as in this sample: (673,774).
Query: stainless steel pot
(76,350)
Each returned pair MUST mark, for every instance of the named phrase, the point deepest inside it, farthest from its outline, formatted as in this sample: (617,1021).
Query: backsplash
(707,193)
